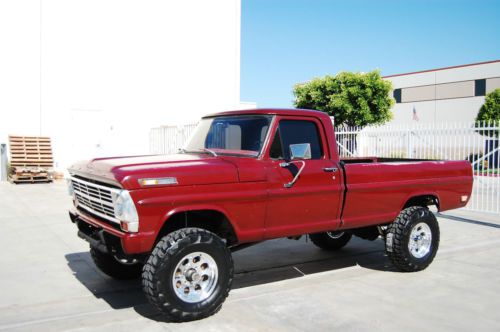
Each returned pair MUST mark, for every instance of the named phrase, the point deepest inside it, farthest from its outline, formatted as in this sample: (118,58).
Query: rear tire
(111,266)
(188,275)
(331,240)
(412,240)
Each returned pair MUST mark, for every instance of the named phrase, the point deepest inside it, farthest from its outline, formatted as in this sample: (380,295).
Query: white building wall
(447,110)
(110,70)
(426,85)
(19,67)
(474,72)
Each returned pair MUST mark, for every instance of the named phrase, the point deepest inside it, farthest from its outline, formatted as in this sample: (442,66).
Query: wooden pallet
(30,177)
(30,159)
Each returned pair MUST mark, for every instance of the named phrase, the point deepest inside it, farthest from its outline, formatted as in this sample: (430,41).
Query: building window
(397,95)
(480,87)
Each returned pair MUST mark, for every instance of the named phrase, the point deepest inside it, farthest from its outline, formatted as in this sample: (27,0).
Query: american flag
(415,116)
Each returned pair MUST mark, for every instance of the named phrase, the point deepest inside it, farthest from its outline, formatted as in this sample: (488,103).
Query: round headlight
(125,211)
(119,206)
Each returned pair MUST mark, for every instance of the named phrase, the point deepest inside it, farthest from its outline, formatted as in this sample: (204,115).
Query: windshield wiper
(199,150)
(210,151)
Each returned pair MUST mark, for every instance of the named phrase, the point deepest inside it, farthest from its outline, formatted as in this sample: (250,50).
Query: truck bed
(378,188)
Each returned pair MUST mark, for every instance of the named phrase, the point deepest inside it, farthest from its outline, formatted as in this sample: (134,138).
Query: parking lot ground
(49,283)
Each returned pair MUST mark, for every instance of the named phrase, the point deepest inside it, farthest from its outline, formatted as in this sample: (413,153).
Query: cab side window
(296,132)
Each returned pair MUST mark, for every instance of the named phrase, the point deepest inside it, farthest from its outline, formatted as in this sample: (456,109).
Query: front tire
(412,240)
(115,268)
(188,275)
(331,240)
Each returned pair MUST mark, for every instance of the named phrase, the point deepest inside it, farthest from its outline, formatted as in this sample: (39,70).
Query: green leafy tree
(490,111)
(354,99)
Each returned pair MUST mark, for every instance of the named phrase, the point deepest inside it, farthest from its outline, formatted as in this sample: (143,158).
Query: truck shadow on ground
(267,262)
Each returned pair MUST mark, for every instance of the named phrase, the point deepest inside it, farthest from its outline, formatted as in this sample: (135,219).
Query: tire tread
(398,253)
(165,249)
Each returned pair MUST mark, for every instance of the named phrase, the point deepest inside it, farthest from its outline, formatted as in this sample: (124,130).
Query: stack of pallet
(30,159)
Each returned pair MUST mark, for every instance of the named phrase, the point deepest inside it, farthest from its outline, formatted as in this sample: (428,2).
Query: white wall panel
(468,73)
(425,112)
(465,73)
(492,84)
(420,93)
(412,80)
(19,68)
(114,69)
(458,110)
(455,90)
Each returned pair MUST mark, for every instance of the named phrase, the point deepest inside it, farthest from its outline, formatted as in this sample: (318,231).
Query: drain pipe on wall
(3,162)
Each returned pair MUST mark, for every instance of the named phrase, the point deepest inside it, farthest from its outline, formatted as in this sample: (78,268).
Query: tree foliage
(490,111)
(354,99)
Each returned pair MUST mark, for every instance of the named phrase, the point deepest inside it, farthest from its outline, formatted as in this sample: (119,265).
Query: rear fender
(417,195)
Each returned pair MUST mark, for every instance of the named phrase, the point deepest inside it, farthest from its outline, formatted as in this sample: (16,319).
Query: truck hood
(188,169)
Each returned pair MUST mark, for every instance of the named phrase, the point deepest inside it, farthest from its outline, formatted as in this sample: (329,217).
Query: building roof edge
(444,68)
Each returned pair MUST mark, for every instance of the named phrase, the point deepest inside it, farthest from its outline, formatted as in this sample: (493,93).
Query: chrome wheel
(188,275)
(420,240)
(195,277)
(335,235)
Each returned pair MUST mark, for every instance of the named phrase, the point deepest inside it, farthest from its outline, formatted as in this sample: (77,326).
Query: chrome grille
(95,198)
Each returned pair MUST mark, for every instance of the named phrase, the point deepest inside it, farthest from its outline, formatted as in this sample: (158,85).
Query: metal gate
(169,139)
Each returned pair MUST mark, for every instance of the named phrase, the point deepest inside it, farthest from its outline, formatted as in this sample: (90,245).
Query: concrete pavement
(48,280)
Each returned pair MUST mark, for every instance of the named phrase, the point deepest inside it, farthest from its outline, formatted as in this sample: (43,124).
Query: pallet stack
(30,159)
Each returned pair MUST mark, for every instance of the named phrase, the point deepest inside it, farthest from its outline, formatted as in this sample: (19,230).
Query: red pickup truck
(245,177)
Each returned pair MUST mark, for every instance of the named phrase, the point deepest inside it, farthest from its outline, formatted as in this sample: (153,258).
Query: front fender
(198,207)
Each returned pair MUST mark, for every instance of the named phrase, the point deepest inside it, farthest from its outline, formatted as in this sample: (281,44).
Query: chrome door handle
(330,169)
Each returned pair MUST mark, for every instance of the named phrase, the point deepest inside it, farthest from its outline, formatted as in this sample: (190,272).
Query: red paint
(249,190)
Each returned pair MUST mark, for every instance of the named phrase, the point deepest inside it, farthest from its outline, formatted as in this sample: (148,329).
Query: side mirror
(300,151)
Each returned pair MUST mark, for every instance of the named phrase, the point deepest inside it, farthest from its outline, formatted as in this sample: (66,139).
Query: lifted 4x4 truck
(245,177)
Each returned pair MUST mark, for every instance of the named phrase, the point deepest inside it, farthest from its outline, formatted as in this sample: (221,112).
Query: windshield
(237,134)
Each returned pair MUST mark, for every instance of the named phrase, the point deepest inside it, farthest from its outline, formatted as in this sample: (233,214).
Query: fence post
(3,162)
(409,145)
